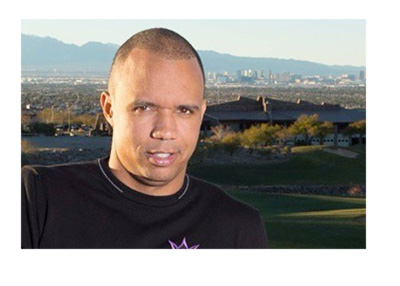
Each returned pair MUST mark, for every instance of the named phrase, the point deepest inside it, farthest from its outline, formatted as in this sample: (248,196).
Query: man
(140,196)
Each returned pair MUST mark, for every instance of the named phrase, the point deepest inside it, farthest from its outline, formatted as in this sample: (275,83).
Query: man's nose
(164,126)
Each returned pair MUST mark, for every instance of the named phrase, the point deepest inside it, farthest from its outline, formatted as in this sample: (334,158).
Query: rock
(335,190)
(51,156)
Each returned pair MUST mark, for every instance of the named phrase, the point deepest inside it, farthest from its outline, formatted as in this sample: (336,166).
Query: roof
(341,115)
(274,104)
(248,109)
(238,115)
(240,104)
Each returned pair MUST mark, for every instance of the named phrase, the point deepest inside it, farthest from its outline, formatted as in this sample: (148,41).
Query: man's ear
(107,106)
(203,108)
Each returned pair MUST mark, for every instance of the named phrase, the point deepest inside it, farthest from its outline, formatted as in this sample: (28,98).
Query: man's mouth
(161,159)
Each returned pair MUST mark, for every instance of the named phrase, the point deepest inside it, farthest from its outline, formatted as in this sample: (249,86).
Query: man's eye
(142,108)
(185,111)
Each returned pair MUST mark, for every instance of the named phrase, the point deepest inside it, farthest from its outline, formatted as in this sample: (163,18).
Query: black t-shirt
(83,205)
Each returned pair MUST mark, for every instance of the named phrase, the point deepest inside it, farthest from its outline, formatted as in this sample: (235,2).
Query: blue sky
(333,42)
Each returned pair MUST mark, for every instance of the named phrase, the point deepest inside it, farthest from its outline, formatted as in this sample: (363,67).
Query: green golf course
(296,220)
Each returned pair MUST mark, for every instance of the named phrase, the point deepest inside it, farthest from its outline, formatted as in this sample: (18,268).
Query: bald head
(162,42)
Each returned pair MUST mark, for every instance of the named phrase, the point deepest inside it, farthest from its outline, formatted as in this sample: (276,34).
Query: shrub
(355,191)
(42,128)
(220,132)
(215,146)
(198,154)
(260,135)
(287,150)
(266,151)
(231,142)
(27,147)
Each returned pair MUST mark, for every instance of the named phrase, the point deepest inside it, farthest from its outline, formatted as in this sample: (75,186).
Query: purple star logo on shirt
(183,245)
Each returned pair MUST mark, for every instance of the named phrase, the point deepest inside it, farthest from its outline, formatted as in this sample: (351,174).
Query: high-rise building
(269,76)
(362,75)
(351,77)
(286,76)
(258,74)
(248,73)
(211,75)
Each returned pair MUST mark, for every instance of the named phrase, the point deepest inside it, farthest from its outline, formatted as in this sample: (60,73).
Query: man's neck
(143,185)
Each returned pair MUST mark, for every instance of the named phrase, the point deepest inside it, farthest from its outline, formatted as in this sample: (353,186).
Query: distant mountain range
(49,54)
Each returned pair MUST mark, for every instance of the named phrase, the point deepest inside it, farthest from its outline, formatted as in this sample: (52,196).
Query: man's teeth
(162,155)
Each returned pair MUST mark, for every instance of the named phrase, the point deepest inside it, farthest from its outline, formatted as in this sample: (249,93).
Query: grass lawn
(309,221)
(307,166)
(302,221)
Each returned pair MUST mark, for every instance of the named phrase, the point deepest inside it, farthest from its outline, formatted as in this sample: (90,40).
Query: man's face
(157,109)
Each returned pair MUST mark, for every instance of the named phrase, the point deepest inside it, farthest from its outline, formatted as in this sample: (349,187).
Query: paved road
(69,142)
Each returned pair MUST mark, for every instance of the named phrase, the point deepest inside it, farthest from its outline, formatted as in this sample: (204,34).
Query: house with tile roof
(244,112)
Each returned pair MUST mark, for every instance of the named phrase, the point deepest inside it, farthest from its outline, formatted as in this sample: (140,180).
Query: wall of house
(329,140)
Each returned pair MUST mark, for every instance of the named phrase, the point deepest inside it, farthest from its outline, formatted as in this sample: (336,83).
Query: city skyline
(331,42)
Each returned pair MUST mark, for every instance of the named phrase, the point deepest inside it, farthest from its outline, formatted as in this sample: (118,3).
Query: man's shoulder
(222,201)
(64,170)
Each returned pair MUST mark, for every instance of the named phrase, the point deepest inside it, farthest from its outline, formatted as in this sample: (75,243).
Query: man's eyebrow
(151,104)
(141,103)
(189,106)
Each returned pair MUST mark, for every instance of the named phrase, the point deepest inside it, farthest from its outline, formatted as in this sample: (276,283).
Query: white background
(377,265)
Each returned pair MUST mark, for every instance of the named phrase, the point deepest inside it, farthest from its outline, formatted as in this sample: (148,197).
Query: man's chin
(159,177)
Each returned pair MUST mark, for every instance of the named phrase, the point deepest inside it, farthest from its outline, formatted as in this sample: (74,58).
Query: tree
(253,136)
(304,125)
(220,132)
(231,142)
(260,135)
(270,132)
(321,129)
(45,115)
(41,128)
(87,119)
(25,119)
(358,127)
(282,135)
